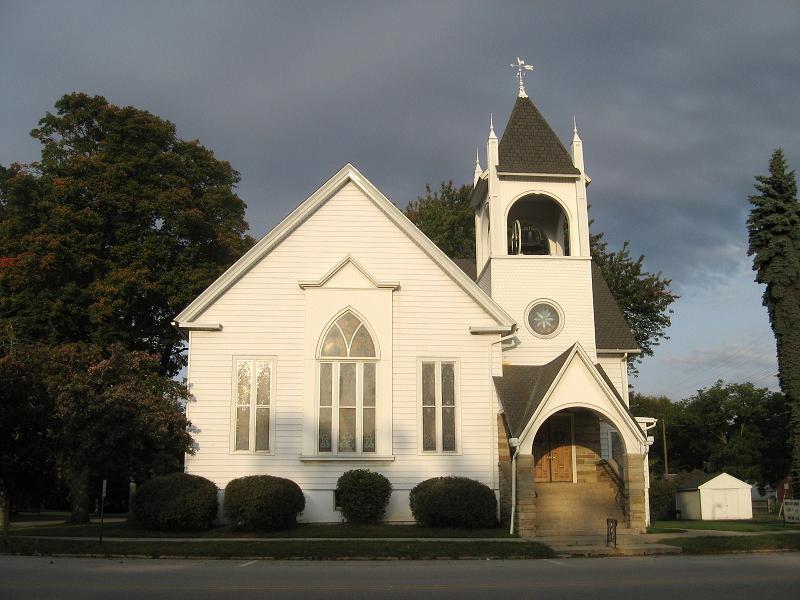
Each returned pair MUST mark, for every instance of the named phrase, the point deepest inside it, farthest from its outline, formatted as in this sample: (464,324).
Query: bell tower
(532,233)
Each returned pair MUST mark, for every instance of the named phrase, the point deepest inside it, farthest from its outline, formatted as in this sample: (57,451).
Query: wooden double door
(552,450)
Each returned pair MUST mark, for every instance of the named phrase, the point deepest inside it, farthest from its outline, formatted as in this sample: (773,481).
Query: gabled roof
(693,480)
(529,145)
(611,331)
(347,174)
(697,479)
(522,388)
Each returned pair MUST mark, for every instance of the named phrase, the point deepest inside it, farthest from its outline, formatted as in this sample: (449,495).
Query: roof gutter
(492,329)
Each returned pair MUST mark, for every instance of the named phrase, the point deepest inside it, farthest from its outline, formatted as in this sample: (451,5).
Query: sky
(678,104)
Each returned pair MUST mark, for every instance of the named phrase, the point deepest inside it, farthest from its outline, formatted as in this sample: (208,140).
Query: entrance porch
(571,453)
(576,478)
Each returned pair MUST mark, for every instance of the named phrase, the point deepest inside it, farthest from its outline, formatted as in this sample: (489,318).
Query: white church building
(345,338)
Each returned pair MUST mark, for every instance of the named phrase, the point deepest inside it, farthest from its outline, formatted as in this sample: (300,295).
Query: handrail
(611,468)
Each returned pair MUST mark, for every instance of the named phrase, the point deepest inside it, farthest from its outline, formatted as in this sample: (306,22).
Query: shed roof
(523,387)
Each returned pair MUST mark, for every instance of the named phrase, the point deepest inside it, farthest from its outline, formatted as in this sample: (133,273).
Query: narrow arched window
(348,366)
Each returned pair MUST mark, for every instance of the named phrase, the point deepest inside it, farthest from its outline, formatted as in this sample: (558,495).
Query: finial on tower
(478,171)
(491,127)
(521,67)
(575,137)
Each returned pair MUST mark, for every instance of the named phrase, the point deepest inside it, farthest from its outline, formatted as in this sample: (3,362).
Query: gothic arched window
(347,375)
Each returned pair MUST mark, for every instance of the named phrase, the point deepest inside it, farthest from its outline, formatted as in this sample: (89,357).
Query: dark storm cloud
(678,104)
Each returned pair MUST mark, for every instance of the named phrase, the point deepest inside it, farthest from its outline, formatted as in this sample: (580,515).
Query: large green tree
(113,412)
(114,230)
(25,411)
(737,428)
(774,228)
(447,217)
(663,409)
(644,297)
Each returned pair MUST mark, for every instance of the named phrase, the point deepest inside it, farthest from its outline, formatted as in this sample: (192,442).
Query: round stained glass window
(544,319)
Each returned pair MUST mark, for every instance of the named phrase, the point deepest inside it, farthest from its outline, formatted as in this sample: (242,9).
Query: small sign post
(791,511)
(102,506)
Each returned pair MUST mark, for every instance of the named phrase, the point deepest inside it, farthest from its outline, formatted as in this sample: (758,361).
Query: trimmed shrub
(363,495)
(662,499)
(454,502)
(263,503)
(175,502)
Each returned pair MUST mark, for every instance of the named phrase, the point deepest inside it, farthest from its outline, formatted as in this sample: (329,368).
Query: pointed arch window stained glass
(347,388)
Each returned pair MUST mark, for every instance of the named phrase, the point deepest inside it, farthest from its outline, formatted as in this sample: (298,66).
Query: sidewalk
(636,544)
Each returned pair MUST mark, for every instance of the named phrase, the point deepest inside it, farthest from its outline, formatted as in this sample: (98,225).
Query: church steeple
(529,145)
(532,231)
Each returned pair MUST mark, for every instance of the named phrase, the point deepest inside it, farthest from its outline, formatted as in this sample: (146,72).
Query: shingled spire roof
(529,145)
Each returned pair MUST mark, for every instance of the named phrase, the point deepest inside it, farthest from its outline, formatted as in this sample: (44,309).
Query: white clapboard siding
(617,370)
(518,281)
(263,315)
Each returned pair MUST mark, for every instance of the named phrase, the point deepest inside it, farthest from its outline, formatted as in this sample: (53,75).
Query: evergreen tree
(774,228)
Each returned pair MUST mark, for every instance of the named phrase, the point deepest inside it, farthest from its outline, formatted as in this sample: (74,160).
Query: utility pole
(664,442)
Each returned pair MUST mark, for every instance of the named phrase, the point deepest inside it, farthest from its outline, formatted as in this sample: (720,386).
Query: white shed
(714,497)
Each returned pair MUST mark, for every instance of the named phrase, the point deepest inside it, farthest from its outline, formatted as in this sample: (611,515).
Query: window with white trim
(438,395)
(253,402)
(347,376)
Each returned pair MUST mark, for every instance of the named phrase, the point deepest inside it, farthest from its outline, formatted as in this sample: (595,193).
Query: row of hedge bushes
(265,503)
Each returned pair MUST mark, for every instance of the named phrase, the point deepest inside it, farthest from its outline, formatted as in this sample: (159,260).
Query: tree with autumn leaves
(110,234)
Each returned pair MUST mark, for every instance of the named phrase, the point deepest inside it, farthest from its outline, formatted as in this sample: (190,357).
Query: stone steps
(573,509)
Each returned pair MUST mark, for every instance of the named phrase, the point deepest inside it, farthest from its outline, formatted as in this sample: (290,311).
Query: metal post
(611,532)
(664,442)
(102,506)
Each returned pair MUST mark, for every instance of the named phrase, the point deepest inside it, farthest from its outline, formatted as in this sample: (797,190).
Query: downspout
(492,416)
(514,443)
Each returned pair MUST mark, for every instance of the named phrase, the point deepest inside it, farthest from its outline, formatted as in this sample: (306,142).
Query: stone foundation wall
(635,488)
(525,515)
(587,447)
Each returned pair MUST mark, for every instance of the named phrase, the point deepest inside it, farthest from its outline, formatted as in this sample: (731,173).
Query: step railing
(613,471)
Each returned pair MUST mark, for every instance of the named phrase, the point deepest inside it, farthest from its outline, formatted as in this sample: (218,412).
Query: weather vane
(521,67)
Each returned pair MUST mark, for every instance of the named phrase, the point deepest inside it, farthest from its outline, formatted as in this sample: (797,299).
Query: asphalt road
(682,577)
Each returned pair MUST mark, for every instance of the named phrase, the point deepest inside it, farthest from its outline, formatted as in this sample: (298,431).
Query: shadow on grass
(323,531)
(293,549)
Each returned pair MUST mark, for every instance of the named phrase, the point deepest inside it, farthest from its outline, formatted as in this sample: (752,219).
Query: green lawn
(295,549)
(762,524)
(741,543)
(300,531)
